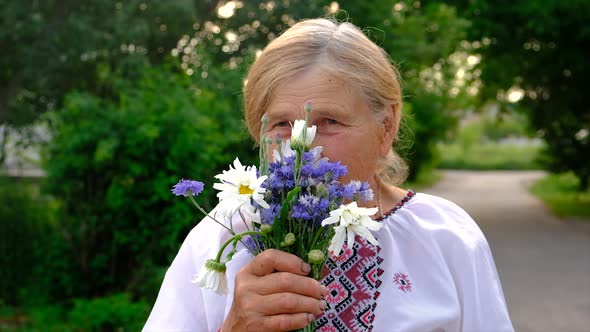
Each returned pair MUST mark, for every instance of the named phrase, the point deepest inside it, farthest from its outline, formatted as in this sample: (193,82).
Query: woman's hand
(273,293)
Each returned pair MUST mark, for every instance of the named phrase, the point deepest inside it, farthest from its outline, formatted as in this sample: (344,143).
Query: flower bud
(322,191)
(214,265)
(289,240)
(302,136)
(307,107)
(266,229)
(315,256)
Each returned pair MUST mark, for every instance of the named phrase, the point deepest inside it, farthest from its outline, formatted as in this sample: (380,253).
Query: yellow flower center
(245,190)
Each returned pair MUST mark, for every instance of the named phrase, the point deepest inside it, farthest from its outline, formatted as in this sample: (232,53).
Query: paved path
(543,262)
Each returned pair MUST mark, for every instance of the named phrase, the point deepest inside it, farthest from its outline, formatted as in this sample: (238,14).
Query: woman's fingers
(273,260)
(289,303)
(273,293)
(285,282)
(286,322)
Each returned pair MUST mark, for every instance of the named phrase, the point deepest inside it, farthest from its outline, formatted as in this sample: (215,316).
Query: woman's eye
(280,128)
(328,122)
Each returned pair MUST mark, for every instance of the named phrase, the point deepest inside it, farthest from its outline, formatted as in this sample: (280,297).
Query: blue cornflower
(337,170)
(267,216)
(366,192)
(356,189)
(329,171)
(273,182)
(312,155)
(321,169)
(280,175)
(335,191)
(350,189)
(187,188)
(307,170)
(254,244)
(310,207)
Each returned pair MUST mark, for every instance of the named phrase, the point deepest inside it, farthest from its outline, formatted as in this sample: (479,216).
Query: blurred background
(105,104)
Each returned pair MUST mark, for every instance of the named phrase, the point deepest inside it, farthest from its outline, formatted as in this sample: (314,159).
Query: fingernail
(323,290)
(323,304)
(305,267)
(310,318)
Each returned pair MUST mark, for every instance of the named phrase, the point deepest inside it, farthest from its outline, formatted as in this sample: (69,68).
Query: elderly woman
(432,270)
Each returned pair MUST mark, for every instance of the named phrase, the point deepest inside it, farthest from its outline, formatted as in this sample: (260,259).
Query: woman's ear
(390,126)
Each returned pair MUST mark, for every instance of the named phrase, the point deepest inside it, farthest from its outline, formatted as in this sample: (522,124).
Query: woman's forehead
(326,94)
(318,109)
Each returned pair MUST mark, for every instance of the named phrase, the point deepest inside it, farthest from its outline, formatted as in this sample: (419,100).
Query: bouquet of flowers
(295,203)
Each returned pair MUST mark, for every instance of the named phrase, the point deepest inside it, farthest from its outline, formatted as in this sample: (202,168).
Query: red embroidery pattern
(402,281)
(353,280)
(399,205)
(352,284)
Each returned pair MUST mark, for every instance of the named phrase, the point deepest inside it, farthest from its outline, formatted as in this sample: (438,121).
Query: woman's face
(346,127)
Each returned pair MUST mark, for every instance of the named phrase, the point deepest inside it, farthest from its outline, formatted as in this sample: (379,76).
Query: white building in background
(22,159)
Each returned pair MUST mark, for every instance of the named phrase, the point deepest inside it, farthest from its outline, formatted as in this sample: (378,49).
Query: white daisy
(239,185)
(285,151)
(253,213)
(351,220)
(212,276)
(317,155)
(302,135)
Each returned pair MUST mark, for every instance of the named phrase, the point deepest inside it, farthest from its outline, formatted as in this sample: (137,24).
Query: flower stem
(309,328)
(233,239)
(207,215)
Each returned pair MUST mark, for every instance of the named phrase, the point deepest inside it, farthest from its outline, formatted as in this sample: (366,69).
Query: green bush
(478,145)
(112,164)
(426,122)
(561,193)
(489,156)
(24,221)
(113,313)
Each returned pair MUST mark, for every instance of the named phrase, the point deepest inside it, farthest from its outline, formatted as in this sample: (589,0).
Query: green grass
(426,179)
(488,156)
(559,192)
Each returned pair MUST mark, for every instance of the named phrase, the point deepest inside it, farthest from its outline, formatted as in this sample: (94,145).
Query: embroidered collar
(398,206)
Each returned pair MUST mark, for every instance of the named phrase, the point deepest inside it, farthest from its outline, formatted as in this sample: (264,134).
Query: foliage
(121,37)
(425,41)
(117,36)
(421,39)
(424,181)
(24,215)
(126,124)
(500,126)
(537,47)
(111,165)
(424,128)
(50,48)
(489,156)
(560,192)
(111,313)
(487,141)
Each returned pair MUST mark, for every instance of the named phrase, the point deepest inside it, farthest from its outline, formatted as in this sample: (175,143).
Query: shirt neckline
(409,195)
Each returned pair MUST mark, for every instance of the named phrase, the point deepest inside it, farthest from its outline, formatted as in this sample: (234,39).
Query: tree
(537,47)
(50,48)
(112,164)
(46,56)
(418,38)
